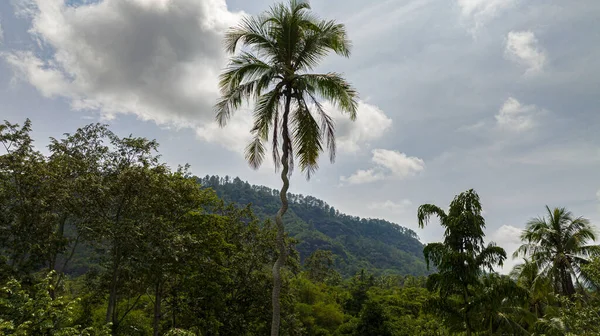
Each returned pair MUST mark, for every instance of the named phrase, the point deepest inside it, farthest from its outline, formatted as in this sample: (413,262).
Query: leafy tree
(282,46)
(373,321)
(319,266)
(28,238)
(35,312)
(177,202)
(358,289)
(460,260)
(75,163)
(592,271)
(559,245)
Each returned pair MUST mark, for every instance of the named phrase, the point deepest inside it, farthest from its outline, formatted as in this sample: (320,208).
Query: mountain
(358,243)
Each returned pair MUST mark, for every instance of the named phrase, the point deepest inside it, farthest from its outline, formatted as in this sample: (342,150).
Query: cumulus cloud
(509,238)
(388,163)
(399,164)
(479,12)
(523,48)
(400,206)
(515,116)
(363,176)
(235,136)
(156,59)
(507,234)
(370,124)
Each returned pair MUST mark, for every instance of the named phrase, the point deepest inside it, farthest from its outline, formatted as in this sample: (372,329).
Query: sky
(501,96)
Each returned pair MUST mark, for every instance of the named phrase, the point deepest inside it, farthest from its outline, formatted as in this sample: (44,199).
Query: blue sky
(496,95)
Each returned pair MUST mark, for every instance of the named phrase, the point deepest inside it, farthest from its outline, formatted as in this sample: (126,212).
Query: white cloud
(1,33)
(522,47)
(156,59)
(363,176)
(235,136)
(479,12)
(507,234)
(388,163)
(509,238)
(370,124)
(598,195)
(50,82)
(514,116)
(400,206)
(400,165)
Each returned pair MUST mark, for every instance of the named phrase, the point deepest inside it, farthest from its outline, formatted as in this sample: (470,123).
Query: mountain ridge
(376,245)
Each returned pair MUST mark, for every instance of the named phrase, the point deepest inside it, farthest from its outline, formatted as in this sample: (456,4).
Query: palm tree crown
(281,47)
(558,244)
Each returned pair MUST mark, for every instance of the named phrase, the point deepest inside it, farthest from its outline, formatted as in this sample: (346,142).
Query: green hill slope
(376,245)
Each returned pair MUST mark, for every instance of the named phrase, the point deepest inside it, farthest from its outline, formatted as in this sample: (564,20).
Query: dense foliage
(375,245)
(99,237)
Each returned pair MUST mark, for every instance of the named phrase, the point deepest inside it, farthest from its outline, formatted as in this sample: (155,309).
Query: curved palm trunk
(567,283)
(280,241)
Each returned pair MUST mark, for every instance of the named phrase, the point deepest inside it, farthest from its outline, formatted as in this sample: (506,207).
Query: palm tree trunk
(280,241)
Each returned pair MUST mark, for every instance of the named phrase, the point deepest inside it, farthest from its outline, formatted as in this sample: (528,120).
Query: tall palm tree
(280,49)
(558,244)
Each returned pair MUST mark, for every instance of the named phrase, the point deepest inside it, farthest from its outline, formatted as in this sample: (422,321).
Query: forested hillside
(376,245)
(99,237)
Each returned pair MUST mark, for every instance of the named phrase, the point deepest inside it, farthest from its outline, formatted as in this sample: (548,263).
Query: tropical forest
(101,235)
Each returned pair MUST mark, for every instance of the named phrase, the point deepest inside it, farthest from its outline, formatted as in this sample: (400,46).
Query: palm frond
(255,152)
(321,38)
(252,32)
(244,68)
(307,138)
(232,100)
(265,111)
(335,88)
(327,127)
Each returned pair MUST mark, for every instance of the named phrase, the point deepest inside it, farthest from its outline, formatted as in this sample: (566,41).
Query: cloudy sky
(497,95)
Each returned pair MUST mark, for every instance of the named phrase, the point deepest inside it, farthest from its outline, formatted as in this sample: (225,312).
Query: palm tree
(558,244)
(281,48)
(498,306)
(539,288)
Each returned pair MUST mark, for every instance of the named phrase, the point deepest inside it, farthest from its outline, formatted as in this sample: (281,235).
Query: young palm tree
(539,288)
(280,49)
(558,244)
